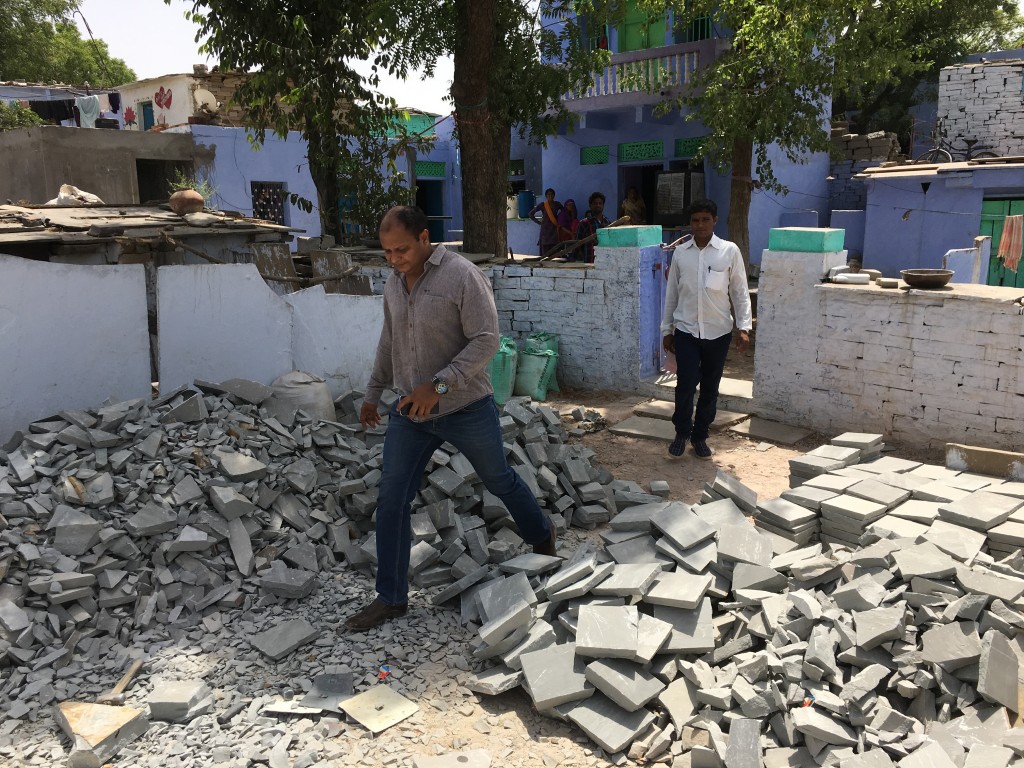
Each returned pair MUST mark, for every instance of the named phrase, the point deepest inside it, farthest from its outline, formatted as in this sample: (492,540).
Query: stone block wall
(921,367)
(852,153)
(984,102)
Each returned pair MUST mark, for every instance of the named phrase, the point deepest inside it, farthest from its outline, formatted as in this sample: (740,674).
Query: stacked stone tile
(693,634)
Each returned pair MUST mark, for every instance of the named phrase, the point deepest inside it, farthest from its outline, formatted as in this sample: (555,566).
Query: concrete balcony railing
(641,76)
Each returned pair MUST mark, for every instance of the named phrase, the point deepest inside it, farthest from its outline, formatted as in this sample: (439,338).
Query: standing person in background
(440,330)
(706,273)
(634,207)
(590,223)
(549,210)
(568,221)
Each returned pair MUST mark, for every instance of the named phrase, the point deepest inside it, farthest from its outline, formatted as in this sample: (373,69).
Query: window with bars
(268,201)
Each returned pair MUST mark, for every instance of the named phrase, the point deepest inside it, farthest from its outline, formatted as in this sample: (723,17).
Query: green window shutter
(641,150)
(594,155)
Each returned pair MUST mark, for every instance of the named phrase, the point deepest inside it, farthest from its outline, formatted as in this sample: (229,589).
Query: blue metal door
(148,121)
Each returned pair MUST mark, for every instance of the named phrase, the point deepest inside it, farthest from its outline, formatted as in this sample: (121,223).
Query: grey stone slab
(238,466)
(861,440)
(988,756)
(1010,533)
(877,626)
(611,727)
(13,618)
(241,546)
(812,466)
(952,646)
(583,586)
(651,636)
(287,582)
(979,582)
(854,507)
(864,593)
(955,540)
(763,429)
(178,701)
(878,492)
(827,730)
(831,482)
(844,453)
(541,635)
(744,750)
(938,490)
(900,527)
(229,502)
(624,682)
(555,675)
(629,580)
(571,573)
(744,544)
(889,464)
(729,486)
(501,626)
(721,512)
(495,680)
(980,511)
(681,525)
(280,640)
(680,700)
(786,514)
(642,549)
(923,560)
(74,532)
(809,496)
(251,392)
(531,564)
(998,680)
(931,755)
(608,631)
(679,589)
(500,594)
(446,480)
(696,559)
(759,577)
(637,517)
(918,511)
(693,631)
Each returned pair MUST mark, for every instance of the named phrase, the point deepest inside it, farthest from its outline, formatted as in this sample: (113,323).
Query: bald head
(407,217)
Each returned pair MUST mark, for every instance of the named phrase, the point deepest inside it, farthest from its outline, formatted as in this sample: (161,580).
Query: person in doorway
(634,207)
(440,330)
(590,223)
(706,273)
(549,209)
(568,221)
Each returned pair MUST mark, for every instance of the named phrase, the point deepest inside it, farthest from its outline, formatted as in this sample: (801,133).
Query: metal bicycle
(945,152)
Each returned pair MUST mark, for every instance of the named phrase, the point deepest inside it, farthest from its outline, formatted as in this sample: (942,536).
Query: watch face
(441,386)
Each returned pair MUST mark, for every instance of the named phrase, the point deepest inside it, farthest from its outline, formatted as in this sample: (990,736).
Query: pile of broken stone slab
(696,630)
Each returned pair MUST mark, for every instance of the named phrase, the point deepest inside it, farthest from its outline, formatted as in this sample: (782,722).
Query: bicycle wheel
(983,155)
(934,155)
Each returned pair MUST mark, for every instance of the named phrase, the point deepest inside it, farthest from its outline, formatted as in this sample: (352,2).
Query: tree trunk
(739,198)
(484,140)
(323,168)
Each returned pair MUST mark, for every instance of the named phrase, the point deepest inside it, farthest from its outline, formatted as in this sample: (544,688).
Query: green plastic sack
(534,374)
(540,341)
(502,369)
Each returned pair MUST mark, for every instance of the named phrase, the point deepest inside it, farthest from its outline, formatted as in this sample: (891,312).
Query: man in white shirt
(706,273)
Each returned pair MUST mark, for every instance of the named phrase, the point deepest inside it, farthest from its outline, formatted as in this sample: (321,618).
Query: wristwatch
(440,385)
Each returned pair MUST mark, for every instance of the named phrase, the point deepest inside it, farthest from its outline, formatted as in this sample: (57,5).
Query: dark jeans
(408,447)
(698,361)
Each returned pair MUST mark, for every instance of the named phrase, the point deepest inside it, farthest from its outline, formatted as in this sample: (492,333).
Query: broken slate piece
(744,544)
(744,750)
(280,640)
(997,673)
(810,722)
(878,626)
(151,520)
(555,675)
(287,582)
(229,502)
(624,682)
(97,731)
(606,723)
(179,701)
(980,511)
(74,532)
(681,525)
(679,589)
(238,466)
(609,631)
(953,645)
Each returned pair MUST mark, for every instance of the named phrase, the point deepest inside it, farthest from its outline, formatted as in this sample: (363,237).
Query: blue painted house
(620,142)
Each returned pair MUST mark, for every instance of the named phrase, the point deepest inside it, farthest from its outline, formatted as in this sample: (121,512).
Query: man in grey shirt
(440,331)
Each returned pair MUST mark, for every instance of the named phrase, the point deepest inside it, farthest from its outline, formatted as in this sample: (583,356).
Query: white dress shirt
(701,282)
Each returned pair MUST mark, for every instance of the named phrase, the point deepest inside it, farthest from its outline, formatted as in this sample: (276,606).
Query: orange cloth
(1011,241)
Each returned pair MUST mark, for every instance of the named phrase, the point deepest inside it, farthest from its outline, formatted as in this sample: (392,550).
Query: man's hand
(669,343)
(369,416)
(420,403)
(743,341)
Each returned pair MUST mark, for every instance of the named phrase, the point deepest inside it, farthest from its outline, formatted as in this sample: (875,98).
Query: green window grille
(641,150)
(594,155)
(517,167)
(689,147)
(426,169)
(413,124)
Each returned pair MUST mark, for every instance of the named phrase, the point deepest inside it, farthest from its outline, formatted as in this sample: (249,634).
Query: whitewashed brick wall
(921,367)
(984,102)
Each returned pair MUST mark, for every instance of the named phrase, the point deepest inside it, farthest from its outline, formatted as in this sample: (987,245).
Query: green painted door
(641,30)
(993,212)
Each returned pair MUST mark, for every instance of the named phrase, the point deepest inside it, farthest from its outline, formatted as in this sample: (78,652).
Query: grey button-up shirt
(447,326)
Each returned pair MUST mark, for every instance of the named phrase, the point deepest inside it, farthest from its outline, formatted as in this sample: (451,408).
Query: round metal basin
(926,278)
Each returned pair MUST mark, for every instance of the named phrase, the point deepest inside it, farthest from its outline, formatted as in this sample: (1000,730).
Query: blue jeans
(698,361)
(408,446)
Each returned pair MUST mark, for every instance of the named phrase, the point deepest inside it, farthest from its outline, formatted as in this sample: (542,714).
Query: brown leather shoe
(375,614)
(548,547)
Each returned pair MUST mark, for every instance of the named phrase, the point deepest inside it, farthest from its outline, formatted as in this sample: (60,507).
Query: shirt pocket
(717,280)
(438,311)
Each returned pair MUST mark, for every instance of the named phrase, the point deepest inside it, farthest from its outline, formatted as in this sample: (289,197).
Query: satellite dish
(204,98)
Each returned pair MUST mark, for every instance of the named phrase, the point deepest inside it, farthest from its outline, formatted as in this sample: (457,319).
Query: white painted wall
(219,322)
(335,336)
(70,337)
(922,367)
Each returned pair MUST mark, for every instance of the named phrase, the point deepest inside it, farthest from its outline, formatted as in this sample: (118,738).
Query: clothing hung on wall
(57,109)
(88,109)
(1011,241)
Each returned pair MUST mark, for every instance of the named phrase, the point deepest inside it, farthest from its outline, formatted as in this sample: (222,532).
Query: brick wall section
(595,310)
(222,85)
(984,102)
(922,367)
(851,154)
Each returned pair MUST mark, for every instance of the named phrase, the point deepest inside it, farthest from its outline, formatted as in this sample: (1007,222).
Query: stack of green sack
(530,372)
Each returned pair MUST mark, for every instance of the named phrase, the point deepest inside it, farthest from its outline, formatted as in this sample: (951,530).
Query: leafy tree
(39,43)
(301,77)
(12,116)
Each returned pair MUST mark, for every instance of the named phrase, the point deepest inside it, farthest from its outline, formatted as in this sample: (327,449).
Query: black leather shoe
(375,614)
(548,547)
